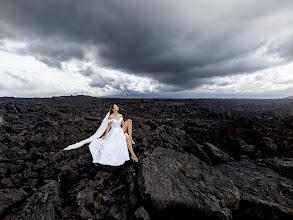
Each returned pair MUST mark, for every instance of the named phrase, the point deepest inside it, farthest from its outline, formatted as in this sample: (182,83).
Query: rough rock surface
(178,184)
(10,197)
(168,137)
(283,166)
(264,193)
(216,155)
(33,132)
(43,204)
(142,214)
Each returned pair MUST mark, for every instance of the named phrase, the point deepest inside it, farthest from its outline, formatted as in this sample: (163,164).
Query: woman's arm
(108,128)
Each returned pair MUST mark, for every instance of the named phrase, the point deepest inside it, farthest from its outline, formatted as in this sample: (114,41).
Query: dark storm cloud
(53,52)
(178,44)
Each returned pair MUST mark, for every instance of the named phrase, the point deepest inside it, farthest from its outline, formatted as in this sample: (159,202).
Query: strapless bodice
(115,123)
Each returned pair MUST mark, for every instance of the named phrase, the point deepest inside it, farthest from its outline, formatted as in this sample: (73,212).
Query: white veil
(98,134)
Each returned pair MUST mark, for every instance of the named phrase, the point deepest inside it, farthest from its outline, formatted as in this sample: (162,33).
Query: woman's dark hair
(111,108)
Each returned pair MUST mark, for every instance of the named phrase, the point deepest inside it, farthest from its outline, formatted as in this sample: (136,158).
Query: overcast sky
(100,48)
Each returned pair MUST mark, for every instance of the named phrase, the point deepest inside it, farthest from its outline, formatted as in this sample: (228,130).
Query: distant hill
(289,97)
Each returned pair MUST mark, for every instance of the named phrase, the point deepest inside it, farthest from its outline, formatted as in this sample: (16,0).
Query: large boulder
(179,185)
(173,138)
(264,193)
(283,166)
(44,204)
(216,155)
(10,197)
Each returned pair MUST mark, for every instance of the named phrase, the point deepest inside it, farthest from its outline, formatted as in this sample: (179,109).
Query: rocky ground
(201,158)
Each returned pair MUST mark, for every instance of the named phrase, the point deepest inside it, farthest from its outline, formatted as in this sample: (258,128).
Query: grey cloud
(25,83)
(100,80)
(282,48)
(224,84)
(282,81)
(87,72)
(17,77)
(178,44)
(53,51)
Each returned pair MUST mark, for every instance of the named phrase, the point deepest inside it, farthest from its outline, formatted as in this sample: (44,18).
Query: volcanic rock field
(198,159)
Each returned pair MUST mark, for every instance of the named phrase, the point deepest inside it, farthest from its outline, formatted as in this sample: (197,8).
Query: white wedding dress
(113,149)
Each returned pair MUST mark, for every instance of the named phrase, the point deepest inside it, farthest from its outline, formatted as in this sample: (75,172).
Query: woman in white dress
(111,149)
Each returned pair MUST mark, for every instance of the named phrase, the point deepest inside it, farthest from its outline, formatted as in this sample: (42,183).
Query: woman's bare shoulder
(111,116)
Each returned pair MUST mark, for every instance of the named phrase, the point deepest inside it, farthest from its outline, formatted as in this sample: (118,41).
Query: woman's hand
(103,137)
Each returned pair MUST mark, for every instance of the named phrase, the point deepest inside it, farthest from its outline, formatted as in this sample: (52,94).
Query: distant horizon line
(147,96)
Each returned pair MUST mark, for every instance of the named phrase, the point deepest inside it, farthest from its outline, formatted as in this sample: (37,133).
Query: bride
(110,149)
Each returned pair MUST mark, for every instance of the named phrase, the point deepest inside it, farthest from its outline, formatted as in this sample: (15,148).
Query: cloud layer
(172,45)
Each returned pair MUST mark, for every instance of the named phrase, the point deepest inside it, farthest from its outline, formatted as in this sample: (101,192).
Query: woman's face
(115,107)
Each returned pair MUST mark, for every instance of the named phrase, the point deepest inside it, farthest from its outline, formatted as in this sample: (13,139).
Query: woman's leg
(129,145)
(128,126)
(130,131)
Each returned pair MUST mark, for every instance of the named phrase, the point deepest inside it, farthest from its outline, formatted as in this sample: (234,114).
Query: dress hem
(110,164)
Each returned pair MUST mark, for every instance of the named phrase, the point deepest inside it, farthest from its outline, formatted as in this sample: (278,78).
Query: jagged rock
(248,147)
(43,124)
(16,140)
(30,184)
(66,213)
(284,166)
(37,167)
(168,137)
(6,183)
(16,169)
(190,146)
(48,173)
(108,198)
(68,174)
(5,160)
(34,154)
(177,185)
(85,197)
(99,206)
(3,169)
(118,212)
(241,146)
(83,213)
(45,204)
(16,180)
(15,153)
(216,155)
(3,148)
(264,193)
(7,128)
(142,214)
(29,174)
(132,195)
(154,111)
(9,197)
(268,144)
